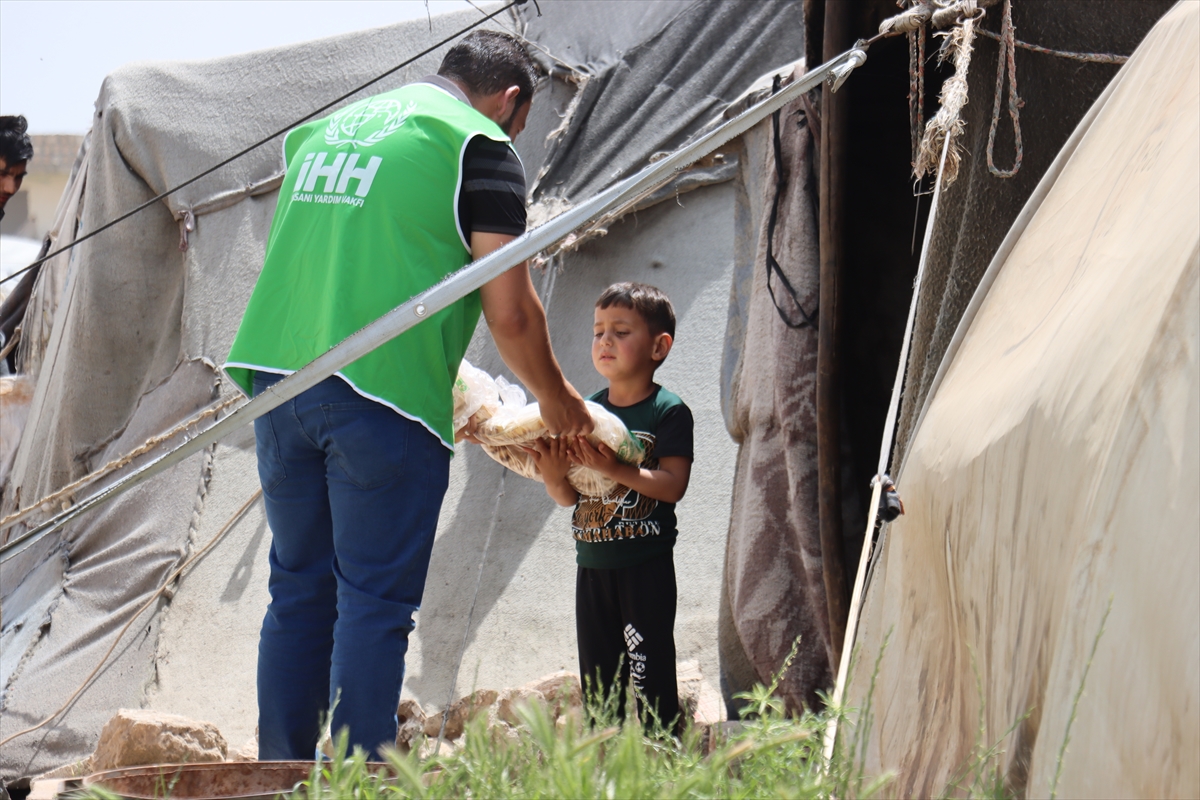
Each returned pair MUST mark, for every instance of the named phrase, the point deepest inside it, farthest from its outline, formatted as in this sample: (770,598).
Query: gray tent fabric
(132,348)
(111,564)
(616,28)
(703,54)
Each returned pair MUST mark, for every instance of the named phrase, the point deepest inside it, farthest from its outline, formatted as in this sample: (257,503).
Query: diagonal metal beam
(458,285)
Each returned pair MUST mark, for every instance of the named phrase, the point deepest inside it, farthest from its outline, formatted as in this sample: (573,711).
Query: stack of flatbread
(506,424)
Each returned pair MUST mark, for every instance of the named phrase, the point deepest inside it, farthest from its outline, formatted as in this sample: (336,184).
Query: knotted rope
(942,14)
(947,124)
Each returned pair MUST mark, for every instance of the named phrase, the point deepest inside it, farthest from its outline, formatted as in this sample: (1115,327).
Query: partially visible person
(625,589)
(381,200)
(16,149)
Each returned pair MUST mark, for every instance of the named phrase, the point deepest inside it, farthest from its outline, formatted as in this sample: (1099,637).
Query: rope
(269,138)
(885,451)
(1088,58)
(807,320)
(112,466)
(910,20)
(947,125)
(470,612)
(237,515)
(940,14)
(1007,50)
(916,87)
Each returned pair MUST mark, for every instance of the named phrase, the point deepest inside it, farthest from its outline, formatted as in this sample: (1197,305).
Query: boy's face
(623,346)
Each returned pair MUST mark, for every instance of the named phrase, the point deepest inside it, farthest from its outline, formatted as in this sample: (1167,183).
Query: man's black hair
(15,145)
(488,62)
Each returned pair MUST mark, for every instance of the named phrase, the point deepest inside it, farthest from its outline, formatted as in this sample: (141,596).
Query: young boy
(625,581)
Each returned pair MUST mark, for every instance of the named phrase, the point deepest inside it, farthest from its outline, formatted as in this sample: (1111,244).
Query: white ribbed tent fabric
(1055,472)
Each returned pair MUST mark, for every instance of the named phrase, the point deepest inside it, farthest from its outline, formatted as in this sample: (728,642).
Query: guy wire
(261,142)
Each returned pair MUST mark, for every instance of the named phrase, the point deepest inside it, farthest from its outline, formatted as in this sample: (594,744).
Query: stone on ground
(513,699)
(461,712)
(562,689)
(135,737)
(697,698)
(248,751)
(412,725)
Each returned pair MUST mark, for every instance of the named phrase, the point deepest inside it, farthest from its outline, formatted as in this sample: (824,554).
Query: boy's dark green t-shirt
(625,528)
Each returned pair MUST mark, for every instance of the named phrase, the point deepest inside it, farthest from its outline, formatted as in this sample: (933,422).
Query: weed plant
(770,754)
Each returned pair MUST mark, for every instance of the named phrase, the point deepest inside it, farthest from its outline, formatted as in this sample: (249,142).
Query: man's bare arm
(517,322)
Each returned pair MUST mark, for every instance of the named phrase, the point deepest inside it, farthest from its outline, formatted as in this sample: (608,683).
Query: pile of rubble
(559,694)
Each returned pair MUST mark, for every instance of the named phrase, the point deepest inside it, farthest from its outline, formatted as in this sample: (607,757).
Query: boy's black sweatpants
(626,617)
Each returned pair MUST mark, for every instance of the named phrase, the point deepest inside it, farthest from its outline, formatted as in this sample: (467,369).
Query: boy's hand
(552,458)
(467,432)
(599,456)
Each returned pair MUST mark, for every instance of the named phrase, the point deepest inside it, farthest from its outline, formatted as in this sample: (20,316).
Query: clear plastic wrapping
(505,424)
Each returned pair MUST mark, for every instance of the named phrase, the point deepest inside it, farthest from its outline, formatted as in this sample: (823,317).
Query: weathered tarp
(130,347)
(1052,473)
(703,54)
(774,588)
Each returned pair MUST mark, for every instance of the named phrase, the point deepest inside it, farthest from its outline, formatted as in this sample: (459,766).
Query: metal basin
(226,780)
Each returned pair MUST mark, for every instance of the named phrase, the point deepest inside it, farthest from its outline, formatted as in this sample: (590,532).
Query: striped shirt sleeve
(492,199)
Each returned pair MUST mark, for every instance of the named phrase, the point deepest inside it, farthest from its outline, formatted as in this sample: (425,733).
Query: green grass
(593,755)
(771,755)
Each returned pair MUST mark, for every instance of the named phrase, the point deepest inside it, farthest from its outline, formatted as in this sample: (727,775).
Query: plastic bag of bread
(505,424)
(475,395)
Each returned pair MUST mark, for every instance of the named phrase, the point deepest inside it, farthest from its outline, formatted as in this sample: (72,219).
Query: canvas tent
(1046,573)
(846,202)
(133,322)
(943,599)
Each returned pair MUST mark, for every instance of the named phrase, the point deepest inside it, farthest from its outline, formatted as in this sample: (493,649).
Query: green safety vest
(367,218)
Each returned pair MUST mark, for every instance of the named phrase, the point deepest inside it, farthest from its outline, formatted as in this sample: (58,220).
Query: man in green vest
(381,200)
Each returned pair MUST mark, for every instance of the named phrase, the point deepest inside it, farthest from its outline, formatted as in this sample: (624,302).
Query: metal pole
(838,21)
(458,285)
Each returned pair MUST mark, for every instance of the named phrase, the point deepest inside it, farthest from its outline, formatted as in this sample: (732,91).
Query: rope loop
(1006,58)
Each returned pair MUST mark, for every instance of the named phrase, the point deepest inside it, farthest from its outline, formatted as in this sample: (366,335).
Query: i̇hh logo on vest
(361,124)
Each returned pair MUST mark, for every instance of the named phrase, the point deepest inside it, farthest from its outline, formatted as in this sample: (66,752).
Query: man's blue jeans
(352,492)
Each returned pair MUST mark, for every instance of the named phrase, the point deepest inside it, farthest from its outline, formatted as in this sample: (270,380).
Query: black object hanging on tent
(807,320)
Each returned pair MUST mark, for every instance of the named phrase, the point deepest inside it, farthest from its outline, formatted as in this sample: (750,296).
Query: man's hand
(517,322)
(567,415)
(467,432)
